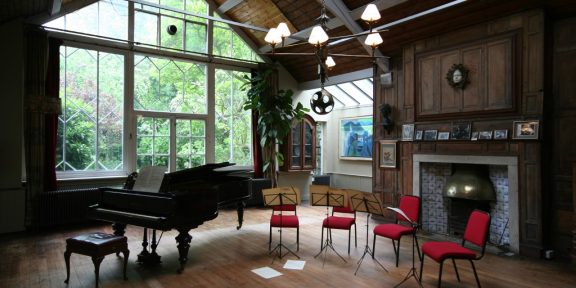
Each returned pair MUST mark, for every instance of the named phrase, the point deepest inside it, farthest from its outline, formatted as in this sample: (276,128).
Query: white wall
(351,174)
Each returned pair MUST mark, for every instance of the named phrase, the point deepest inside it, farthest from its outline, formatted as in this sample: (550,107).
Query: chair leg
(374,246)
(475,274)
(396,250)
(355,236)
(440,274)
(349,235)
(270,239)
(456,269)
(297,238)
(421,268)
(322,239)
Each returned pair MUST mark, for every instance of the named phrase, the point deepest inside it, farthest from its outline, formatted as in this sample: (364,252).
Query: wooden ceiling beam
(229,4)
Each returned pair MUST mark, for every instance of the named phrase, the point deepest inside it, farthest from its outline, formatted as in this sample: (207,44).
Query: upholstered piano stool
(96,245)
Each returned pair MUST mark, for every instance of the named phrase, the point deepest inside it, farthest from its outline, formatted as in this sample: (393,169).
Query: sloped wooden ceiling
(302,14)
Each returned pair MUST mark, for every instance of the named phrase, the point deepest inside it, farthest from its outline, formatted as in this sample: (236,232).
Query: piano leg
(144,254)
(240,209)
(183,240)
(119,229)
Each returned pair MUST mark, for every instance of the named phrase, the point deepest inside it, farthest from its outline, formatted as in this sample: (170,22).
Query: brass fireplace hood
(470,182)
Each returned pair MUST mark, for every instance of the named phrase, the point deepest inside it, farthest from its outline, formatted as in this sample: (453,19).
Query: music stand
(281,196)
(412,272)
(366,202)
(326,196)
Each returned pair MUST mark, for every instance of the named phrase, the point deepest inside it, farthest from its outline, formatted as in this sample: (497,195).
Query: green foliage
(275,114)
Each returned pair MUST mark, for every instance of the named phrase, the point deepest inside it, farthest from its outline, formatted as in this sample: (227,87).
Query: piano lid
(208,171)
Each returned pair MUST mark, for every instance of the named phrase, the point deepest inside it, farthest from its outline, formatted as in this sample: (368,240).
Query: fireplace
(432,172)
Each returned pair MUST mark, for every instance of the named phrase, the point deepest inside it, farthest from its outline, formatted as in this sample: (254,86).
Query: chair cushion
(392,231)
(284,221)
(443,250)
(337,222)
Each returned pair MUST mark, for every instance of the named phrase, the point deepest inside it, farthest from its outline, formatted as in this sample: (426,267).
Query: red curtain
(51,121)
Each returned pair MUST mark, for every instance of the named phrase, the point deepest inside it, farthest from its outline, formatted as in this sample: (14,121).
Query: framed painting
(430,135)
(355,138)
(501,134)
(388,154)
(526,129)
(407,132)
(461,130)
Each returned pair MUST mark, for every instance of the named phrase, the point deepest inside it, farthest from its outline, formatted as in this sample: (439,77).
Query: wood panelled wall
(561,141)
(505,58)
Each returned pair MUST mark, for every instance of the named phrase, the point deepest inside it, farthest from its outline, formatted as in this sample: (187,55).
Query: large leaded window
(149,95)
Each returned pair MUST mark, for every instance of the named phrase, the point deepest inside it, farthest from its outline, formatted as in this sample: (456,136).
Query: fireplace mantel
(510,161)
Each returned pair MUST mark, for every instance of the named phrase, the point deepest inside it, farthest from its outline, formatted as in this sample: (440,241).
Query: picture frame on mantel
(526,129)
(388,153)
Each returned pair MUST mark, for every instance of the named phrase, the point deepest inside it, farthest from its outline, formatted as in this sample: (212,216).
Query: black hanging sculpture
(387,122)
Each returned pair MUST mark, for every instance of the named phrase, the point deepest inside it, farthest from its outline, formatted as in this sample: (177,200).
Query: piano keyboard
(129,214)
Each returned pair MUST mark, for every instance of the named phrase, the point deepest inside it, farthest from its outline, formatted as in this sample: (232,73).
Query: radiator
(67,206)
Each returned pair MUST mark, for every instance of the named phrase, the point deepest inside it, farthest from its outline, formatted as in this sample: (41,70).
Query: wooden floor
(221,256)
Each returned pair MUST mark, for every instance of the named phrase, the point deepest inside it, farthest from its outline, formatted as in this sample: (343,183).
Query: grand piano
(186,199)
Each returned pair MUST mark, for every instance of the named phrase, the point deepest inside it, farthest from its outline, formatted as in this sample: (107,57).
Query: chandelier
(322,102)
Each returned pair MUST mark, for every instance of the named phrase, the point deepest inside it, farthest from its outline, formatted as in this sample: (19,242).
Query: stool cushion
(96,244)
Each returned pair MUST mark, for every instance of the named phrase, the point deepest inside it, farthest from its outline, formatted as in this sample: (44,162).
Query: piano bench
(96,245)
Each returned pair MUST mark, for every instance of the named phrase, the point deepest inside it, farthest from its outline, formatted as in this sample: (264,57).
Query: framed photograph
(461,130)
(485,135)
(526,129)
(388,152)
(419,134)
(501,134)
(474,136)
(407,132)
(355,138)
(443,135)
(430,135)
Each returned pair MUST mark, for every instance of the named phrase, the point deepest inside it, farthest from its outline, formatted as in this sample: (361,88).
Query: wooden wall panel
(427,104)
(450,98)
(473,59)
(499,73)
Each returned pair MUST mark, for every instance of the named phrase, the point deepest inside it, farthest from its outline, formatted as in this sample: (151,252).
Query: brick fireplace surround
(510,162)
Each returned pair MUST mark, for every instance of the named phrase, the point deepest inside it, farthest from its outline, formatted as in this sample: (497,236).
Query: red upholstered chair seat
(392,231)
(439,251)
(290,221)
(337,222)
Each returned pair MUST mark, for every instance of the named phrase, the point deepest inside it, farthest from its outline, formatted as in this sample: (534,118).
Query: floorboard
(221,256)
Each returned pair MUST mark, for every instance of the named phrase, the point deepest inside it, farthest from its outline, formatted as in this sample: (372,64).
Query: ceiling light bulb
(330,62)
(371,13)
(283,30)
(373,39)
(273,37)
(318,36)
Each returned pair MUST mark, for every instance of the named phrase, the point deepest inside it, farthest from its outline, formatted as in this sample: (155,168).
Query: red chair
(341,223)
(476,233)
(410,205)
(281,220)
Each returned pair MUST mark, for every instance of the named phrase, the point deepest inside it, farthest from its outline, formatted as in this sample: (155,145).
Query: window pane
(105,18)
(172,41)
(190,143)
(234,125)
(195,37)
(169,86)
(153,141)
(146,28)
(91,124)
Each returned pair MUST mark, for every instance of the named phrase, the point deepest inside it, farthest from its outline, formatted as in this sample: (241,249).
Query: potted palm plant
(275,113)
